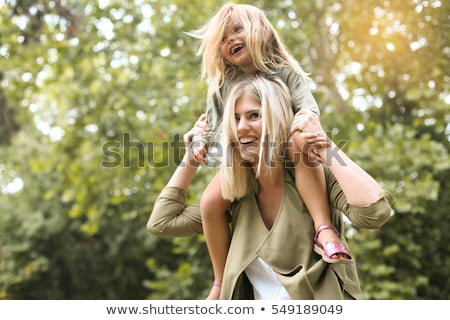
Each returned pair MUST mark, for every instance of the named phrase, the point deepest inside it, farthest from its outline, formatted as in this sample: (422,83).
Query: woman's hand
(196,148)
(311,145)
(307,121)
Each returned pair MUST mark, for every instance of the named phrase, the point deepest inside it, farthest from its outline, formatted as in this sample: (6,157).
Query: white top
(266,285)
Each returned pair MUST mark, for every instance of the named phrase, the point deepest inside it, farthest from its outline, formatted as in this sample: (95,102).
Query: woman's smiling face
(249,127)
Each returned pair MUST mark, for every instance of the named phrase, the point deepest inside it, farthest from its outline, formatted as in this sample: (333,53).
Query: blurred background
(95,95)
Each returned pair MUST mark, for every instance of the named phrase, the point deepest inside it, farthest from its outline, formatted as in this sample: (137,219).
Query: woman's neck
(270,178)
(269,194)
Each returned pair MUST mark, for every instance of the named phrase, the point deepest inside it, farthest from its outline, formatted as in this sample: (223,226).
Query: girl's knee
(212,203)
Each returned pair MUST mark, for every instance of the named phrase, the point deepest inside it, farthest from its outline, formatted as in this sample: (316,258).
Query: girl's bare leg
(311,185)
(216,231)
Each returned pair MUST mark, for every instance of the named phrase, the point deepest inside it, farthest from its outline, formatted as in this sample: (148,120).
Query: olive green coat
(287,247)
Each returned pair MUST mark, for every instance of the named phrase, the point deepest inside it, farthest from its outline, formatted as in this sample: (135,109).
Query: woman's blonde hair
(266,49)
(237,175)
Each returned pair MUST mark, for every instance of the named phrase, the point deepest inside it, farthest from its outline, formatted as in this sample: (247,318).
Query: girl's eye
(237,29)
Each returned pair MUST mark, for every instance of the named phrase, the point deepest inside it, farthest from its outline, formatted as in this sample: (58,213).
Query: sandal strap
(324,227)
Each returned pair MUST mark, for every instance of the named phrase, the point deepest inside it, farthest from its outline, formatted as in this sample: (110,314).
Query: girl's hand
(196,148)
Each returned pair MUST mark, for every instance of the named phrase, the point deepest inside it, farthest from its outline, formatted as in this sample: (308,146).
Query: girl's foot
(214,294)
(328,244)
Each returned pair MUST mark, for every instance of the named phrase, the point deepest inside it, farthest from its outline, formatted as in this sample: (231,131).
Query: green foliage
(94,97)
(182,279)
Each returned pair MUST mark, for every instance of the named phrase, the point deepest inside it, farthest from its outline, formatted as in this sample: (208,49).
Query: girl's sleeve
(372,216)
(214,114)
(171,216)
(302,97)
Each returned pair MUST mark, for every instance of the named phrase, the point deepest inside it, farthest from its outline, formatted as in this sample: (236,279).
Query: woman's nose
(242,125)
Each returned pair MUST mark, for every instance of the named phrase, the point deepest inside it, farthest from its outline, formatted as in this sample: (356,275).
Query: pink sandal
(330,248)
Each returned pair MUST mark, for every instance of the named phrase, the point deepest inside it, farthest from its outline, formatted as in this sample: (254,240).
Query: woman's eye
(254,115)
(237,29)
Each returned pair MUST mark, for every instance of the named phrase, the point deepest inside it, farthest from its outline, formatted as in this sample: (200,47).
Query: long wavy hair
(238,177)
(262,41)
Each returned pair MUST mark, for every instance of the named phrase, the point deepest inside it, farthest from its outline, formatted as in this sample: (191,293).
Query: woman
(240,40)
(270,255)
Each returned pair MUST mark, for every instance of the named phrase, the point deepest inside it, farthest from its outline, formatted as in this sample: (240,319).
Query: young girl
(240,41)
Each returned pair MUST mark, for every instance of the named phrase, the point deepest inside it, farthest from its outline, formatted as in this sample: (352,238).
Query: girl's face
(249,127)
(234,50)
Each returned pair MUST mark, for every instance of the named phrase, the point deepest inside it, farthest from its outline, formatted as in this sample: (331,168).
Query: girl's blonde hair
(266,49)
(237,176)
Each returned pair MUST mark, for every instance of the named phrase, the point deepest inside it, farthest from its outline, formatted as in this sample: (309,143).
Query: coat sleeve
(372,216)
(214,115)
(302,97)
(171,216)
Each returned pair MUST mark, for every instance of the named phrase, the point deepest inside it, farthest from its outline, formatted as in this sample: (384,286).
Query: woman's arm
(351,189)
(359,187)
(170,215)
(370,216)
(184,173)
